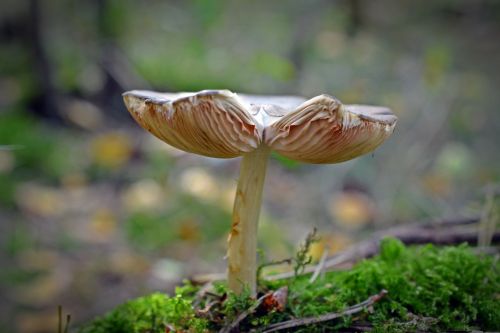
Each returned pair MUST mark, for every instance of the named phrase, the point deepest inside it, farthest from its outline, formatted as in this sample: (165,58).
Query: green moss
(438,288)
(430,289)
(149,314)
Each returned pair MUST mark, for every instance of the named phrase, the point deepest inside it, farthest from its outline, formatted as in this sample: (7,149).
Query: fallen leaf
(276,301)
(83,114)
(189,230)
(37,322)
(40,200)
(352,209)
(333,243)
(111,150)
(103,224)
(199,183)
(144,195)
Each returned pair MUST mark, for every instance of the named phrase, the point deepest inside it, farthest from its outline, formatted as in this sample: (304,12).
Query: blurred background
(94,210)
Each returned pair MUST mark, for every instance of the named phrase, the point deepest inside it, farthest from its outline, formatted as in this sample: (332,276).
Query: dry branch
(439,232)
(444,232)
(320,266)
(327,317)
(234,325)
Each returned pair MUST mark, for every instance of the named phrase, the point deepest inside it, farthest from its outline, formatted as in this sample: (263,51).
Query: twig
(203,279)
(59,315)
(233,325)
(443,222)
(488,250)
(327,317)
(320,266)
(201,293)
(357,328)
(273,263)
(488,220)
(440,232)
(11,147)
(207,312)
(66,326)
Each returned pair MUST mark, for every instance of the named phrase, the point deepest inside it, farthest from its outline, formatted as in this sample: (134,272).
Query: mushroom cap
(219,123)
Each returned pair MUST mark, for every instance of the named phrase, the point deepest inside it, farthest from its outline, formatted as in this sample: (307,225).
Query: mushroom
(220,123)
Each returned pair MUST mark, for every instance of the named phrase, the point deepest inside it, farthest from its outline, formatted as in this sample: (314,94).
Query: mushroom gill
(322,130)
(210,123)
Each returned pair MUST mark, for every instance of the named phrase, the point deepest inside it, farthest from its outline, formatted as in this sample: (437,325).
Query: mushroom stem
(242,241)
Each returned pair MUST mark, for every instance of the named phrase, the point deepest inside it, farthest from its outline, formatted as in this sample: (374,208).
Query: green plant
(302,257)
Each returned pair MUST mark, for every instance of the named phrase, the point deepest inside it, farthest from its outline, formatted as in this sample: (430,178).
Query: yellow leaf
(332,243)
(352,209)
(111,150)
(103,224)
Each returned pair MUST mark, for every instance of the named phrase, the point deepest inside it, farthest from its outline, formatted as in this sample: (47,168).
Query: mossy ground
(430,289)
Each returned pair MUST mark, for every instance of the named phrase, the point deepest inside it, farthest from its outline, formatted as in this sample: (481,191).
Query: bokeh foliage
(90,203)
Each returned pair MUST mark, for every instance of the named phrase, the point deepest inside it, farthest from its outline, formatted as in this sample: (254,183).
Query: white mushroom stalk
(219,123)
